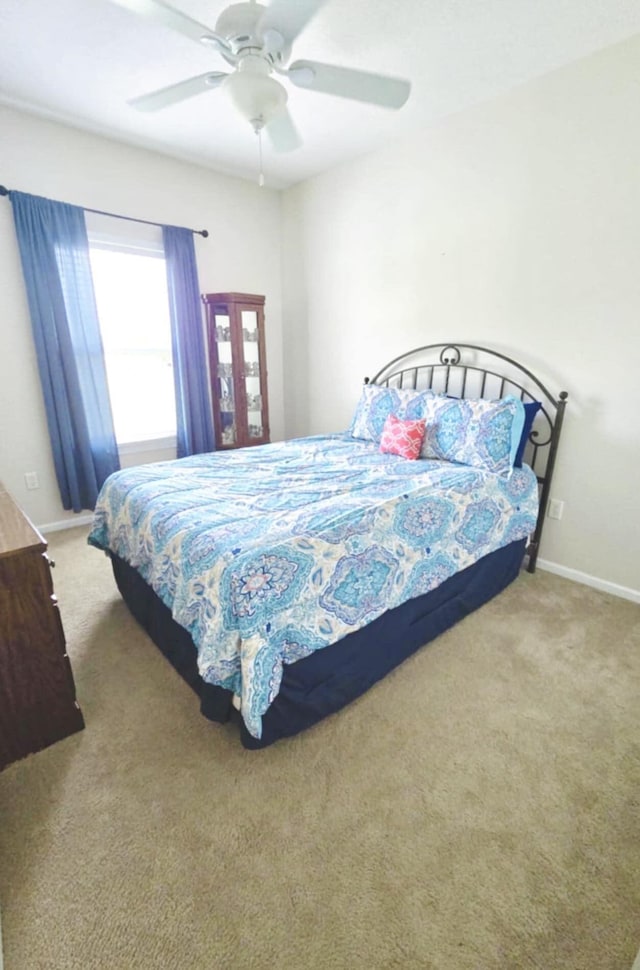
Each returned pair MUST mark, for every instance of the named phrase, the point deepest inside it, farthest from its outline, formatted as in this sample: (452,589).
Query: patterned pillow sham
(485,434)
(402,437)
(377,403)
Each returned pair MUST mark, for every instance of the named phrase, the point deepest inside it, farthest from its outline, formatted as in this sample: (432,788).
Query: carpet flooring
(479,809)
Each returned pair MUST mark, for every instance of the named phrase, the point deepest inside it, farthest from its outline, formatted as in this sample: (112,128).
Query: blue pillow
(530,411)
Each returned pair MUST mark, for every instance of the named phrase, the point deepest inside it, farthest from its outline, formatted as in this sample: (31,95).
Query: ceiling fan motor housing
(239,24)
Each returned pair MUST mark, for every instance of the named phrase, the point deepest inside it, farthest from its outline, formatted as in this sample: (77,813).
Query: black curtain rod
(147,222)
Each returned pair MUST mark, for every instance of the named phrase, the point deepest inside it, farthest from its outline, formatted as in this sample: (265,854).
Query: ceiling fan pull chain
(261,173)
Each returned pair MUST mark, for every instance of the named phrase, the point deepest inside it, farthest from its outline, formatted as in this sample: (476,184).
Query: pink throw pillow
(402,437)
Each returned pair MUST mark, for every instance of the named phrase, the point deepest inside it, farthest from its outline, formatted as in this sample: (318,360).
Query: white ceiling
(79,61)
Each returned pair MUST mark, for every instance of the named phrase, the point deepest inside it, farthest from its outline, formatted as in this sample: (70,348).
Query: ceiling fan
(256,40)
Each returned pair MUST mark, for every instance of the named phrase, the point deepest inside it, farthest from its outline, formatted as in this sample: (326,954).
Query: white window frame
(141,239)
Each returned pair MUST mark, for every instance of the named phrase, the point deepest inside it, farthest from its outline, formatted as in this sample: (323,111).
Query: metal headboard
(471,371)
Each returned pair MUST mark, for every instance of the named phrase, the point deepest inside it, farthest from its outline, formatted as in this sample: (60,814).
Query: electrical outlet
(556,508)
(31,480)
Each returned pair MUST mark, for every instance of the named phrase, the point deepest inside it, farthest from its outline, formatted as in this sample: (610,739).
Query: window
(130,285)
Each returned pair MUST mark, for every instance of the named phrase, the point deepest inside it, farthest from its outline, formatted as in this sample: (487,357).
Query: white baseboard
(623,591)
(66,523)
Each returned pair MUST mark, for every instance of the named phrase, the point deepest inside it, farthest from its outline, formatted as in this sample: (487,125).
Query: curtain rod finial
(4,190)
(204,233)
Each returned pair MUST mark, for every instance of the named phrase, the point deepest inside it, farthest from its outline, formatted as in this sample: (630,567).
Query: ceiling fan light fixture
(256,96)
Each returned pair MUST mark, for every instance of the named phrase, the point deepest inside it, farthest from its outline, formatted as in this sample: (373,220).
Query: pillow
(377,403)
(485,434)
(402,437)
(530,411)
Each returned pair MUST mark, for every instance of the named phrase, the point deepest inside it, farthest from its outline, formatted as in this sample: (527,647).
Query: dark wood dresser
(37,694)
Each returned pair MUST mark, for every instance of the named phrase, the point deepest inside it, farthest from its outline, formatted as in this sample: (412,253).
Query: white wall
(242,253)
(517,225)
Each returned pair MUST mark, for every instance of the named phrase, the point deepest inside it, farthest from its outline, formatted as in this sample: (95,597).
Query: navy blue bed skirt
(328,679)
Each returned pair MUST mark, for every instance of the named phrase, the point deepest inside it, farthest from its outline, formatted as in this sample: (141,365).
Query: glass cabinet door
(222,381)
(252,375)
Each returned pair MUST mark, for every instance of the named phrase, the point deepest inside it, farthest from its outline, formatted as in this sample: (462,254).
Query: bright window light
(133,307)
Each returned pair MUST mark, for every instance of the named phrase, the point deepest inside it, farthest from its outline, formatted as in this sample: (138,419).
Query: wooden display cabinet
(37,693)
(237,368)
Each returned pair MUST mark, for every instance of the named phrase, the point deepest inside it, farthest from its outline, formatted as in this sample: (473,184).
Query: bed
(283,580)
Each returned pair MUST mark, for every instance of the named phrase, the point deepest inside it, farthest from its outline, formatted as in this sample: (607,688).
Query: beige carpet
(479,809)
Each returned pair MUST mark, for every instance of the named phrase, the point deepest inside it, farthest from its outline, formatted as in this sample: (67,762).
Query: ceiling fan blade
(288,17)
(283,134)
(344,82)
(177,92)
(163,13)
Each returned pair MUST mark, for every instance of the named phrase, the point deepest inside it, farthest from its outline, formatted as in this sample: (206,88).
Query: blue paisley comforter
(267,554)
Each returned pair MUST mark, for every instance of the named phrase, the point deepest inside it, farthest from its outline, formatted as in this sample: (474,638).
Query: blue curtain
(54,250)
(193,406)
